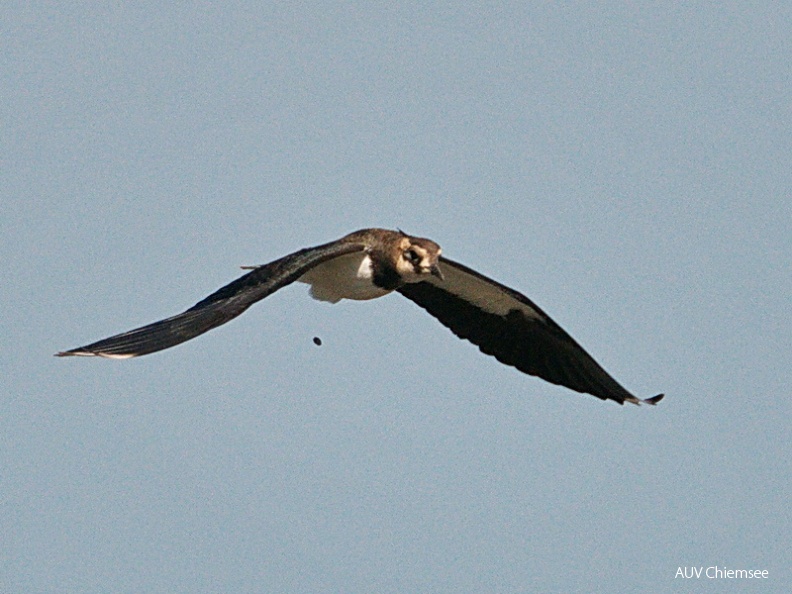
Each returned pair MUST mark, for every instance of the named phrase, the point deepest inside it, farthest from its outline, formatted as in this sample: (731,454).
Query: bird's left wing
(218,308)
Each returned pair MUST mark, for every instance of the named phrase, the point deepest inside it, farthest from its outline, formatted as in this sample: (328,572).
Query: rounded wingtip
(654,399)
(74,353)
(638,401)
(79,353)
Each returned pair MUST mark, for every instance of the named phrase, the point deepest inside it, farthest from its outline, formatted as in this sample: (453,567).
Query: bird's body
(346,277)
(371,263)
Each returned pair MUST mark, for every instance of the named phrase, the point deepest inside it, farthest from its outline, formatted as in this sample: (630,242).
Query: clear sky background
(627,167)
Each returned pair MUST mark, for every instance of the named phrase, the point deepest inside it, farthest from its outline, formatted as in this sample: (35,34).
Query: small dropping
(317,341)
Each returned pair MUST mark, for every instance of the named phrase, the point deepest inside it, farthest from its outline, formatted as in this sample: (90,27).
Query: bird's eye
(411,256)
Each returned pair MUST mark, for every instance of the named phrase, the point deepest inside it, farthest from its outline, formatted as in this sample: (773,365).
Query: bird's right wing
(218,308)
(507,325)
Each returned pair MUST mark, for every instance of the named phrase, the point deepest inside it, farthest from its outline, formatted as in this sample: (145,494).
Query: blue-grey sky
(625,166)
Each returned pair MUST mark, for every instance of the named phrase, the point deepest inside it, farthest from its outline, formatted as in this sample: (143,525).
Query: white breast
(345,277)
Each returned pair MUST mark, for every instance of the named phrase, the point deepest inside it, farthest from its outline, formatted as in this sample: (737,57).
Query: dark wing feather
(507,325)
(218,308)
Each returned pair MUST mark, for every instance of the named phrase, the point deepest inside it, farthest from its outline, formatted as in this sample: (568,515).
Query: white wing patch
(104,355)
(345,277)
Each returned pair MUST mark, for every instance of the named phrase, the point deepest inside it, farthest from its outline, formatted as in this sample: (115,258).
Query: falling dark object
(317,341)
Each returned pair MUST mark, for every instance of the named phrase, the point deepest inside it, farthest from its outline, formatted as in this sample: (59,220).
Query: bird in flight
(370,263)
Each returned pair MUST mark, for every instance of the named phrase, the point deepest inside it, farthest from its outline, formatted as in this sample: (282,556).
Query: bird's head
(418,257)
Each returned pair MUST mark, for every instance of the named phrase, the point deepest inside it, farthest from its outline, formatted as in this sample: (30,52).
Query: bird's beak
(435,271)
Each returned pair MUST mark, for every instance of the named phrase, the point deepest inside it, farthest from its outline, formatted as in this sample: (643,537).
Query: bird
(371,263)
